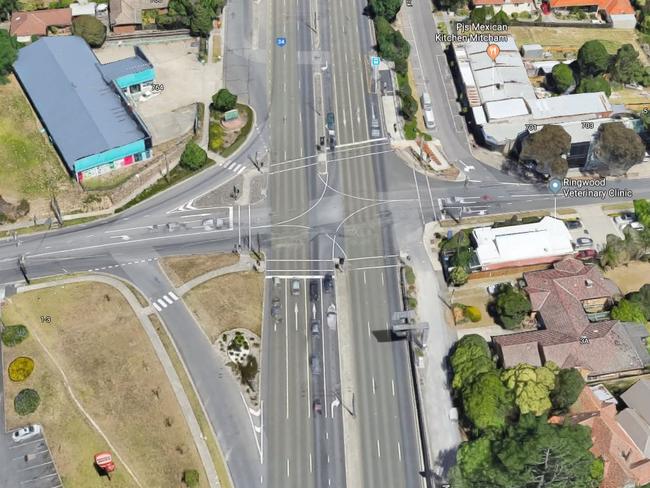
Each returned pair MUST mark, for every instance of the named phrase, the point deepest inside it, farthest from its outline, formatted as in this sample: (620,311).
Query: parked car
(637,226)
(318,407)
(315,364)
(587,254)
(584,242)
(313,290)
(295,287)
(26,432)
(328,283)
(573,224)
(315,327)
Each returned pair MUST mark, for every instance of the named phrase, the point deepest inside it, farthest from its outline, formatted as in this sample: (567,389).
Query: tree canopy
(471,357)
(593,58)
(385,8)
(8,54)
(642,299)
(532,386)
(626,67)
(7,7)
(90,28)
(223,100)
(511,306)
(486,401)
(618,148)
(545,147)
(201,20)
(568,385)
(391,45)
(594,84)
(562,78)
(628,311)
(193,157)
(619,251)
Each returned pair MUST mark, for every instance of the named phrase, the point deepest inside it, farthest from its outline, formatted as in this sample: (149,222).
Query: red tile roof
(612,7)
(36,23)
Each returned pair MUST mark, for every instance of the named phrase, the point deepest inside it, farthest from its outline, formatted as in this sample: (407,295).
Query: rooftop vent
(589,283)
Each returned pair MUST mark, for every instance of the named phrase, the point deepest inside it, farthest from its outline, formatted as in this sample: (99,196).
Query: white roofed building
(545,241)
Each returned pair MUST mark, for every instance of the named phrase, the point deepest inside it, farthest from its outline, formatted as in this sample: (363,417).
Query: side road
(142,315)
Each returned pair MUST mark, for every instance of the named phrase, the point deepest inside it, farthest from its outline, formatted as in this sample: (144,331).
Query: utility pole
(23,269)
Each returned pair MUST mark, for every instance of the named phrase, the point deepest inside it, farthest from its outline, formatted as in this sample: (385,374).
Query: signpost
(374,61)
(280,41)
(104,461)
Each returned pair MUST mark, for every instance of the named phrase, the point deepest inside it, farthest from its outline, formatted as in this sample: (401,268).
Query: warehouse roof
(123,67)
(82,113)
(570,105)
(506,109)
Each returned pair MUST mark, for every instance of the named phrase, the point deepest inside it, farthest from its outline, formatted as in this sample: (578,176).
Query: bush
(472,313)
(12,335)
(26,401)
(20,368)
(409,105)
(215,137)
(223,100)
(193,157)
(191,478)
(410,275)
(90,28)
(458,276)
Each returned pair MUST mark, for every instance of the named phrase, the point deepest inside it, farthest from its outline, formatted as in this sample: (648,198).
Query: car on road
(318,406)
(584,242)
(328,283)
(275,308)
(573,224)
(315,327)
(331,316)
(295,287)
(587,254)
(26,432)
(313,290)
(315,364)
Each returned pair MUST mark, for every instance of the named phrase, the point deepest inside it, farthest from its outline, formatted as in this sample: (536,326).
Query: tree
(617,148)
(8,54)
(545,147)
(409,104)
(594,85)
(193,157)
(479,15)
(90,28)
(628,311)
(642,299)
(391,45)
(486,402)
(642,211)
(201,20)
(191,478)
(500,18)
(531,386)
(618,251)
(215,6)
(470,358)
(223,100)
(562,78)
(385,8)
(568,385)
(625,66)
(593,58)
(458,276)
(511,306)
(559,168)
(7,7)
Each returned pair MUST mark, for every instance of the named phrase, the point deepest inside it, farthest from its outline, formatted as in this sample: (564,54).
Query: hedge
(26,402)
(12,335)
(191,478)
(20,368)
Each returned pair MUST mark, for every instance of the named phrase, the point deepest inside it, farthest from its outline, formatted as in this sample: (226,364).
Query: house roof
(637,428)
(127,12)
(117,69)
(36,23)
(82,113)
(569,105)
(612,7)
(638,398)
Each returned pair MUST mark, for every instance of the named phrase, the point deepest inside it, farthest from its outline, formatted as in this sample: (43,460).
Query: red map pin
(493,51)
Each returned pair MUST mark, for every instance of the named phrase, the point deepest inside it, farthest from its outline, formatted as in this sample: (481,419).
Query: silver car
(295,287)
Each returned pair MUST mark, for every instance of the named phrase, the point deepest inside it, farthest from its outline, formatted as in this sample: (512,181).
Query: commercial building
(82,105)
(545,241)
(40,23)
(503,104)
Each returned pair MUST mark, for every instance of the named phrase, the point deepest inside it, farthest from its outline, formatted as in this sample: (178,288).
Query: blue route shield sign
(281,41)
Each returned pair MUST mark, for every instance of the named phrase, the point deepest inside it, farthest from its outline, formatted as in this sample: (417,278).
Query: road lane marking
(171,294)
(399,451)
(392,384)
(382,278)
(168,300)
(157,307)
(374,388)
(322,322)
(286,345)
(368,329)
(364,277)
(378,449)
(417,189)
(288,472)
(310,465)
(162,303)
(307,331)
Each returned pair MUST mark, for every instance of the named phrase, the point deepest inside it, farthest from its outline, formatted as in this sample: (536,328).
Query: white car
(26,432)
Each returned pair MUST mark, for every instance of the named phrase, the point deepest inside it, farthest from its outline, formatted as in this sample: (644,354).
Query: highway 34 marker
(281,41)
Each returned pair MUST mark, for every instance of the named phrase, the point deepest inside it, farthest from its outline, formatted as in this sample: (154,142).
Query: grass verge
(181,269)
(43,227)
(229,151)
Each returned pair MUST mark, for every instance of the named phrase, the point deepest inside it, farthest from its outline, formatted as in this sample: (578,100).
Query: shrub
(223,100)
(26,401)
(12,335)
(472,313)
(459,276)
(90,28)
(20,368)
(191,478)
(410,275)
(193,157)
(215,137)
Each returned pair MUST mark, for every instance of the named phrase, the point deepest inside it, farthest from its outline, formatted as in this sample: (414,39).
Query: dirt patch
(114,373)
(232,301)
(630,277)
(475,297)
(181,269)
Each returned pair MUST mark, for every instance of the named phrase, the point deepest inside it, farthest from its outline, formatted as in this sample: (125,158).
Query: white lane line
(378,449)
(392,384)
(168,300)
(157,307)
(310,464)
(288,472)
(382,278)
(241,170)
(307,355)
(171,294)
(286,344)
(364,277)
(399,451)
(374,388)
(368,329)
(322,321)
(162,303)
(417,189)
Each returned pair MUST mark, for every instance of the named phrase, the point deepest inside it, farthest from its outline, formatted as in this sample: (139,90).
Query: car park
(313,290)
(26,432)
(295,287)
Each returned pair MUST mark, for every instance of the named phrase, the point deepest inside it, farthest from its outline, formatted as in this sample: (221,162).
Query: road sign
(281,41)
(374,61)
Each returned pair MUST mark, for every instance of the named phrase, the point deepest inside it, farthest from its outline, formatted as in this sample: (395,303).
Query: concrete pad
(170,125)
(598,223)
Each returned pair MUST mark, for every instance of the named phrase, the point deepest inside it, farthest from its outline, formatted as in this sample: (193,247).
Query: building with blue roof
(83,104)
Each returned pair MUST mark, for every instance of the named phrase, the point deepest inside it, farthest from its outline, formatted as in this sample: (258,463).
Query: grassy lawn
(112,370)
(631,277)
(216,48)
(228,302)
(181,269)
(28,164)
(571,38)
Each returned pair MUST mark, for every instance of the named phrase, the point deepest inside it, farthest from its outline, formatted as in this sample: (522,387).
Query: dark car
(587,254)
(573,224)
(313,290)
(275,308)
(328,283)
(330,120)
(315,327)
(318,407)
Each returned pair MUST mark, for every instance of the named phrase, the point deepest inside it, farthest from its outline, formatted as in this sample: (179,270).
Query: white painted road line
(171,294)
(157,307)
(162,303)
(168,300)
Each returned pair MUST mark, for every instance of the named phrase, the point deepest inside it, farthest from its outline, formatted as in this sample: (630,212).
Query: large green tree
(568,385)
(223,100)
(594,84)
(385,8)
(193,157)
(8,54)
(470,358)
(593,58)
(642,299)
(391,45)
(487,402)
(545,147)
(201,20)
(628,311)
(562,78)
(618,148)
(626,67)
(90,28)
(511,306)
(532,386)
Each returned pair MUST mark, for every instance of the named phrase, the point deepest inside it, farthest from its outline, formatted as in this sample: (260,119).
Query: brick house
(40,23)
(570,302)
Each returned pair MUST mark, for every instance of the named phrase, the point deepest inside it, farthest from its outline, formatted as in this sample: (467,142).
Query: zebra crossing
(233,166)
(164,301)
